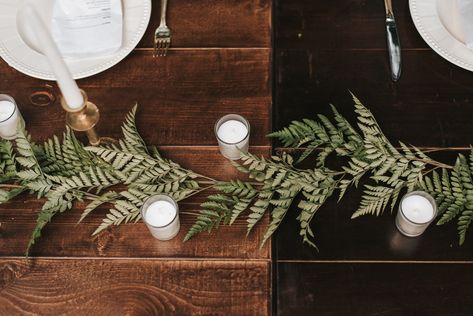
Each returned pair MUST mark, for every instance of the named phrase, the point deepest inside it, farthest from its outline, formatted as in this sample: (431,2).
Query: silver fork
(162,35)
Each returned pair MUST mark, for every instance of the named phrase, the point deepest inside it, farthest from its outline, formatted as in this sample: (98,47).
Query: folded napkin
(466,15)
(87,28)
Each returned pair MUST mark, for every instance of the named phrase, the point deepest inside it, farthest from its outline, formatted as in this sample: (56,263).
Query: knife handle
(388,5)
(394,48)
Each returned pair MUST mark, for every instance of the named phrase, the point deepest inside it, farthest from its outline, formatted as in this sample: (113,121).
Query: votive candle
(161,214)
(416,211)
(9,117)
(233,135)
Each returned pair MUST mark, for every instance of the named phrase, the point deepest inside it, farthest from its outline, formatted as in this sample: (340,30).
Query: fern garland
(66,171)
(124,174)
(387,171)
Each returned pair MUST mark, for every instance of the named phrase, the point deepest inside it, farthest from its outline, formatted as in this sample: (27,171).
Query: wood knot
(43,96)
(103,240)
(8,275)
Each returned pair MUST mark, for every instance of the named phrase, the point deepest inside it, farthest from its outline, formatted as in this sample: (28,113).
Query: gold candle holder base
(83,119)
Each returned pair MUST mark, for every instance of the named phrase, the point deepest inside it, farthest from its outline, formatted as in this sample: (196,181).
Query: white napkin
(466,15)
(87,28)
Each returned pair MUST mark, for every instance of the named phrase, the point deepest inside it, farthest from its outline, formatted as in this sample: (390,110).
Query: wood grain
(219,63)
(180,97)
(133,287)
(342,25)
(375,289)
(369,237)
(214,23)
(338,237)
(63,237)
(430,106)
(322,50)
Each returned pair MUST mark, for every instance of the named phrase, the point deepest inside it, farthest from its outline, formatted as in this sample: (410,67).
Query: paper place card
(87,28)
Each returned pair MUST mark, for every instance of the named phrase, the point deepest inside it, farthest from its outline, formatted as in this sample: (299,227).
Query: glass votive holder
(416,211)
(10,117)
(233,135)
(161,214)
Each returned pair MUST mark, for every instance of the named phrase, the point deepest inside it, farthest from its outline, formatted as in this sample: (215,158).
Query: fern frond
(213,212)
(6,196)
(103,199)
(283,204)
(131,137)
(259,208)
(48,211)
(7,160)
(122,212)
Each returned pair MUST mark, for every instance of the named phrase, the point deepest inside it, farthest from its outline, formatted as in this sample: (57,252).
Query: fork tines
(162,42)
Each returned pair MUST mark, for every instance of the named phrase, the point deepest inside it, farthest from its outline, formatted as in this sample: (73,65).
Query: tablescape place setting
(64,170)
(447,27)
(22,54)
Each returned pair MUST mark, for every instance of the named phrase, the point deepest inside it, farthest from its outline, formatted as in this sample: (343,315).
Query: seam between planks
(238,259)
(466,262)
(205,48)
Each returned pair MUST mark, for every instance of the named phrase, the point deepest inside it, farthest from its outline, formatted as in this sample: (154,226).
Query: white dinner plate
(136,16)
(438,22)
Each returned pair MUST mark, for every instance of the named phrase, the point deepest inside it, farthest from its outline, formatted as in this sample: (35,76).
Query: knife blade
(394,45)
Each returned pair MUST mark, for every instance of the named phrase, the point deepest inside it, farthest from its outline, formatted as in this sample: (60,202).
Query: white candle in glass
(161,214)
(9,117)
(416,211)
(29,17)
(233,135)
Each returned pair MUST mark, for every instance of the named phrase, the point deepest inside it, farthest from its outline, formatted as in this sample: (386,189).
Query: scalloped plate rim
(448,52)
(108,61)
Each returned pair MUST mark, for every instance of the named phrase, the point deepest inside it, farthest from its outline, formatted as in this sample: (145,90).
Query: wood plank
(64,238)
(208,160)
(339,237)
(214,23)
(181,96)
(430,106)
(341,25)
(375,289)
(134,287)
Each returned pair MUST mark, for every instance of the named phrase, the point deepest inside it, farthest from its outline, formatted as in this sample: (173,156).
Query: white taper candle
(28,15)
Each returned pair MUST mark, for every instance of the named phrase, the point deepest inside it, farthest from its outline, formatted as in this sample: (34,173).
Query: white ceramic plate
(438,22)
(25,59)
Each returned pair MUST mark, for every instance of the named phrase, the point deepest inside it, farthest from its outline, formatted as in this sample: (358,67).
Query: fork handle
(164,6)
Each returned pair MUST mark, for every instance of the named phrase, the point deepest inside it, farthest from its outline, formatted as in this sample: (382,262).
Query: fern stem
(198,191)
(208,182)
(11,186)
(337,173)
(89,195)
(431,170)
(204,177)
(190,213)
(434,163)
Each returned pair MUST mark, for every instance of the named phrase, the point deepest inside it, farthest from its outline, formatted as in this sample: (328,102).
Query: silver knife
(394,45)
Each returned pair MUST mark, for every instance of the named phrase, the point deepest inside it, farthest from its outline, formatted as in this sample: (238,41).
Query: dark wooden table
(324,48)
(220,63)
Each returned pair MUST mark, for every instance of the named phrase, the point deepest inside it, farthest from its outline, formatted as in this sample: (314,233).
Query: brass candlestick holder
(83,119)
